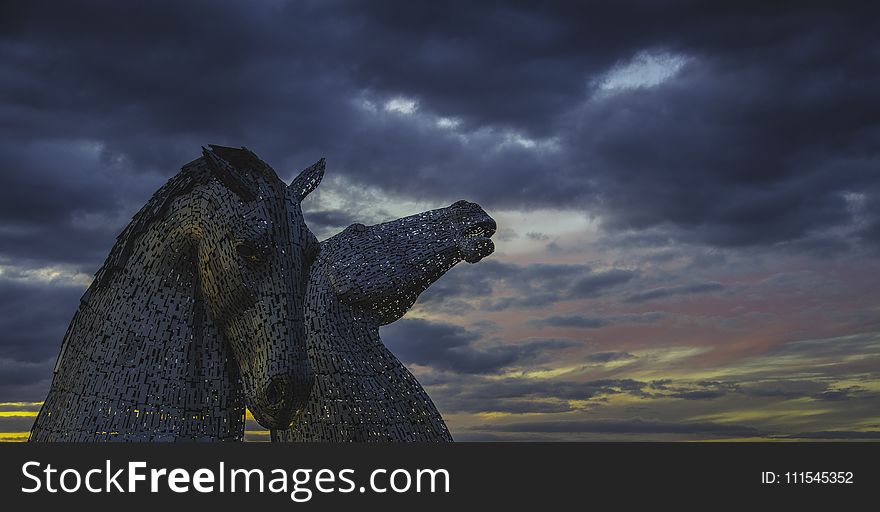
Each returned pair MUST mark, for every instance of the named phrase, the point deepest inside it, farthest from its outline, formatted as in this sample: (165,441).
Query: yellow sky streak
(543,373)
(14,437)
(790,411)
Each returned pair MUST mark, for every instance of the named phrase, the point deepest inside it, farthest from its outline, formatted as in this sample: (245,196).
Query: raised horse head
(384,268)
(366,277)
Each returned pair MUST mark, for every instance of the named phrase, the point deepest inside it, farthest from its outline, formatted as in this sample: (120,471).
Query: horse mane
(197,172)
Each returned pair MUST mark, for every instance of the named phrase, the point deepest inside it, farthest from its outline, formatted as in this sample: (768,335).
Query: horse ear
(229,176)
(308,180)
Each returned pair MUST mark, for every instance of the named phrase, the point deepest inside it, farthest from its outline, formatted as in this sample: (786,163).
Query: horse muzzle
(475,242)
(280,400)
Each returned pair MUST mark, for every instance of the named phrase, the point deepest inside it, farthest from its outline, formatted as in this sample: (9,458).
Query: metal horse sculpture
(363,278)
(196,313)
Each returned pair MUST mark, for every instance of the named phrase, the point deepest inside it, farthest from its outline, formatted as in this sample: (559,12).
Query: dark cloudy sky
(687,193)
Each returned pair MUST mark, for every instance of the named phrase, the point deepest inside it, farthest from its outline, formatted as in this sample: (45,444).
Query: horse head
(383,268)
(253,257)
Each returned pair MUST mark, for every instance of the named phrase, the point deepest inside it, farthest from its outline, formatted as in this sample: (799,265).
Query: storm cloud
(451,347)
(33,319)
(686,116)
(659,293)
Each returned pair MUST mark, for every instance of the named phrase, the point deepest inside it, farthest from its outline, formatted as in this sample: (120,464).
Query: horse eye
(249,252)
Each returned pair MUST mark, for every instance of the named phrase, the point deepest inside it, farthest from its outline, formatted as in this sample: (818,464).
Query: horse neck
(142,347)
(351,395)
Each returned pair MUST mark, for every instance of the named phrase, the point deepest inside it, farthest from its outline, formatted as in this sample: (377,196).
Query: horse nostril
(275,393)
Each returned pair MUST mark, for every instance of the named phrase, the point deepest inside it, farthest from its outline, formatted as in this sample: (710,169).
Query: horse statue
(365,277)
(197,313)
